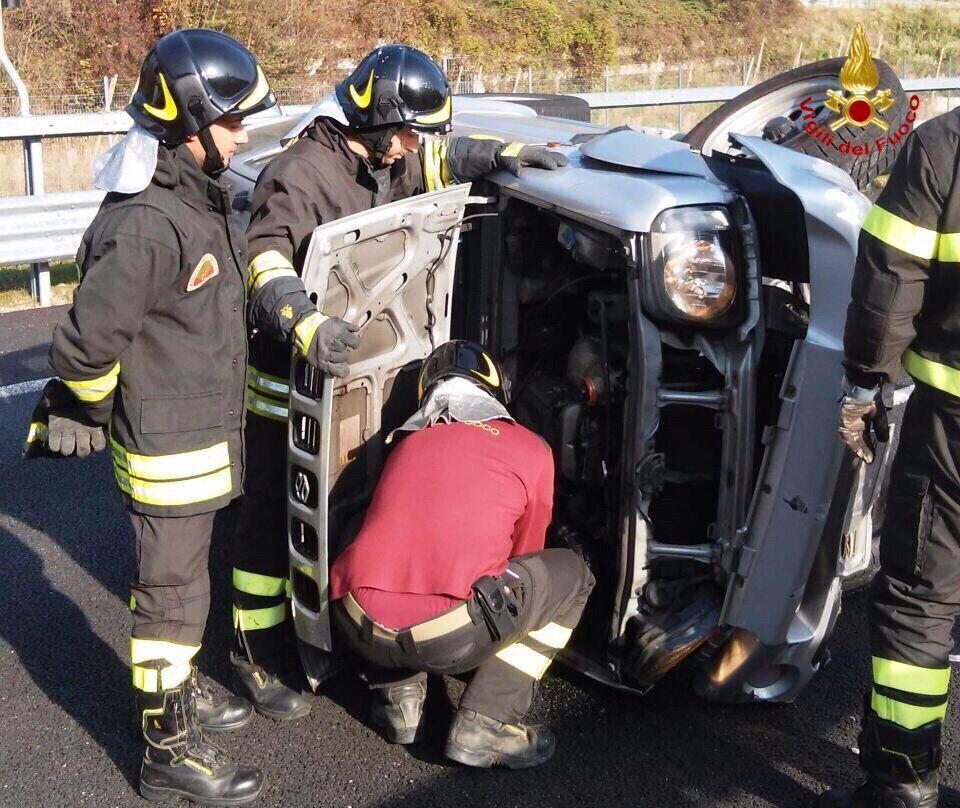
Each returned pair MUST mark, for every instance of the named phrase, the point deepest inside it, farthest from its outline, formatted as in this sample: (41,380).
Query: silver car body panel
(620,201)
(629,148)
(769,596)
(373,269)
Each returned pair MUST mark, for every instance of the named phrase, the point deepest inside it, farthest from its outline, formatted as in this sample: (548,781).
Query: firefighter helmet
(192,77)
(467,360)
(395,85)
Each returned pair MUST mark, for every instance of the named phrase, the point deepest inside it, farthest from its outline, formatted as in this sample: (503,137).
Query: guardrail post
(32,166)
(680,106)
(33,170)
(949,75)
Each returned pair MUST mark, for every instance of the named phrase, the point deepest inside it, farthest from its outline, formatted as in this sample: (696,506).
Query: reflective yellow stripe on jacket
(936,374)
(266,267)
(183,478)
(435,172)
(920,242)
(91,391)
(304,330)
(38,433)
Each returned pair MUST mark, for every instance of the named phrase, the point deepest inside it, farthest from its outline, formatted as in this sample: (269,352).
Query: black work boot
(881,793)
(178,762)
(218,713)
(476,740)
(902,767)
(270,697)
(397,712)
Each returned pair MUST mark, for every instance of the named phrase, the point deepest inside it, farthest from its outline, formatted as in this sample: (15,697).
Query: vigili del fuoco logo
(859,104)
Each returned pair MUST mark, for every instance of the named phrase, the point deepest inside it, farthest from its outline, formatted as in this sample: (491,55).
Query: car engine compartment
(559,313)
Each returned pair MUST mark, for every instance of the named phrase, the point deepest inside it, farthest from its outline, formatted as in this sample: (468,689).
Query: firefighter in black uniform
(905,312)
(154,350)
(364,149)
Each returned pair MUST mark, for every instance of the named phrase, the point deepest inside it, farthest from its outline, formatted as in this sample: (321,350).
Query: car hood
(623,179)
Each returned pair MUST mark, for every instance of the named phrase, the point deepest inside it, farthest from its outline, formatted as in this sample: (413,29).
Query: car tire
(782,95)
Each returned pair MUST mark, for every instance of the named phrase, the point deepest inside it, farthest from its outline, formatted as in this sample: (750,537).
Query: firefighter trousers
(169,598)
(915,598)
(552,588)
(260,563)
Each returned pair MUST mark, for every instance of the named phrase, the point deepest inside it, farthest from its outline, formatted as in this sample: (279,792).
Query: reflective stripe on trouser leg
(556,584)
(909,695)
(260,555)
(914,596)
(259,613)
(503,687)
(159,664)
(267,395)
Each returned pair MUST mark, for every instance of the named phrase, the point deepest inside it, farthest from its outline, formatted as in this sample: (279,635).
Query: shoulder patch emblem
(207,268)
(287,312)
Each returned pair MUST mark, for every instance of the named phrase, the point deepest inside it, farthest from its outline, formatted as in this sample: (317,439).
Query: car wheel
(772,110)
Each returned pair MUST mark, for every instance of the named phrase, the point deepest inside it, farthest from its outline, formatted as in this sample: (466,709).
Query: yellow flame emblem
(859,77)
(169,109)
(362,100)
(491,377)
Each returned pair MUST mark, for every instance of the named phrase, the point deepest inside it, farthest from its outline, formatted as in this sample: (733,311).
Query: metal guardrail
(43,227)
(99,123)
(39,228)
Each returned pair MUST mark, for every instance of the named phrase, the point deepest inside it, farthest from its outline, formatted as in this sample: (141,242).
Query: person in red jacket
(448,572)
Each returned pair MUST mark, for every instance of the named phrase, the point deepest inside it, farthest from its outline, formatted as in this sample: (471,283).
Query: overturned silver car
(672,323)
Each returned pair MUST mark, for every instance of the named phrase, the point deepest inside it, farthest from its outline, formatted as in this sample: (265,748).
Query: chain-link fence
(67,163)
(299,89)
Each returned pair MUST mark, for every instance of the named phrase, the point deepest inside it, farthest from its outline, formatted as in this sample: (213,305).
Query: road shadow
(74,504)
(670,748)
(24,364)
(74,667)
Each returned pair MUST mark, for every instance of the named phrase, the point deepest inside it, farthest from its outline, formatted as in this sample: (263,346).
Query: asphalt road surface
(67,734)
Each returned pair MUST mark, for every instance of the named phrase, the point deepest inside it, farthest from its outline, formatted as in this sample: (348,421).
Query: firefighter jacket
(155,342)
(318,179)
(905,306)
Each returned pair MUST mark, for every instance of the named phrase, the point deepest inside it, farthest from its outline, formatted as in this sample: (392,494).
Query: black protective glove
(330,344)
(59,427)
(533,156)
(71,433)
(857,419)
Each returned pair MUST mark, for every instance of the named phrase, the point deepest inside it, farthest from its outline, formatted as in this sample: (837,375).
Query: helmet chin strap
(213,164)
(377,142)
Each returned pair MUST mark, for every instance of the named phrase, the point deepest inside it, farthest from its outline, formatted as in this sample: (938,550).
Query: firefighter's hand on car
(330,345)
(70,434)
(857,419)
(512,160)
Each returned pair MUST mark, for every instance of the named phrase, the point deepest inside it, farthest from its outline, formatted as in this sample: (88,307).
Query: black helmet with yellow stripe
(395,85)
(192,77)
(468,360)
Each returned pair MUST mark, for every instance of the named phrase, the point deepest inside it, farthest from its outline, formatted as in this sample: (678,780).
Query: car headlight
(694,274)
